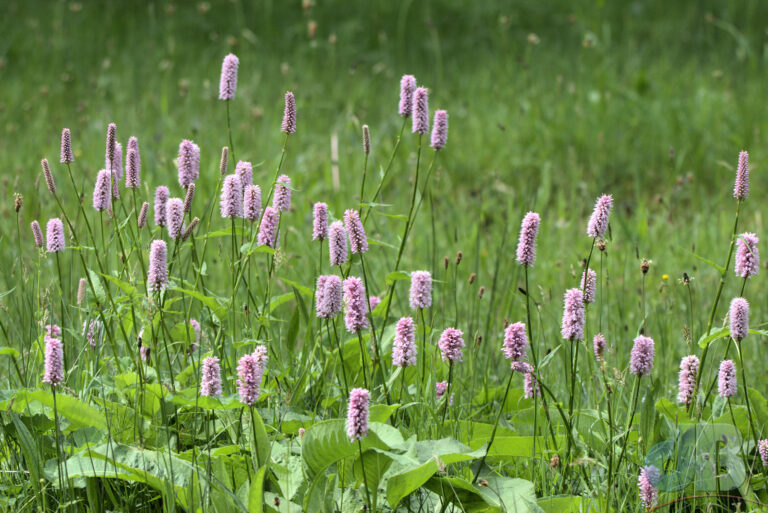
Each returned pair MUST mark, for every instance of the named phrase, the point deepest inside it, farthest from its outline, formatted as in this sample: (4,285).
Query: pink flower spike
(282,200)
(54,236)
(231,200)
(420,111)
(252,202)
(747,255)
(157,274)
(515,342)
(161,199)
(228,78)
(439,130)
(358,241)
(320,221)
(337,243)
(357,414)
(404,347)
(589,287)
(268,233)
(102,198)
(244,171)
(641,357)
(526,246)
(451,344)
(573,315)
(598,222)
(421,290)
(54,361)
(689,369)
(210,385)
(407,87)
(356,310)
(726,382)
(741,186)
(289,115)
(739,318)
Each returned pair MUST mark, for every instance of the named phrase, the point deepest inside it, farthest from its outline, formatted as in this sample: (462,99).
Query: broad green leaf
(9,351)
(78,413)
(717,334)
(256,493)
(218,309)
(568,504)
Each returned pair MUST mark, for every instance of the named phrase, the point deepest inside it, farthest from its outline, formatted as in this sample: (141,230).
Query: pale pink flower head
(439,130)
(141,220)
(188,162)
(407,87)
(161,199)
(320,221)
(289,115)
(641,357)
(689,369)
(197,329)
(404,346)
(526,245)
(111,143)
(54,361)
(762,447)
(648,493)
(188,198)
(174,217)
(117,162)
(268,228)
(132,179)
(115,185)
(249,373)
(357,414)
(92,330)
(37,233)
(573,315)
(54,236)
(589,287)
(252,202)
(49,181)
(598,346)
(329,295)
(228,79)
(355,308)
(441,387)
(747,255)
(521,367)
(515,342)
(244,171)
(133,144)
(739,317)
(231,200)
(101,195)
(726,381)
(598,222)
(421,290)
(210,384)
(282,200)
(358,241)
(530,386)
(157,273)
(53,330)
(66,155)
(420,111)
(451,344)
(741,186)
(373,302)
(337,243)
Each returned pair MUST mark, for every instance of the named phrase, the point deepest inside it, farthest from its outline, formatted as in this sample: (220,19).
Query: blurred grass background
(550,103)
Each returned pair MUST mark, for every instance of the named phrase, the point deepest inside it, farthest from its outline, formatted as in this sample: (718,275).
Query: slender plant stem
(631,415)
(365,478)
(495,426)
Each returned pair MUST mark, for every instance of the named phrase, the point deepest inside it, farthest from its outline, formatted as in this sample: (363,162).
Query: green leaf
(720,269)
(218,309)
(705,340)
(256,493)
(397,275)
(78,413)
(124,286)
(9,351)
(98,288)
(568,504)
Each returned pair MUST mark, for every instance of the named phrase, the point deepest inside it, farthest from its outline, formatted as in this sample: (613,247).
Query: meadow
(328,256)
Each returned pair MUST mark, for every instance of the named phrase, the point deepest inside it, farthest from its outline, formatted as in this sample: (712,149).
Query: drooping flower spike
(747,255)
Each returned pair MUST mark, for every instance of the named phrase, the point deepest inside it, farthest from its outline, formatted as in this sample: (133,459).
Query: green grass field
(550,105)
